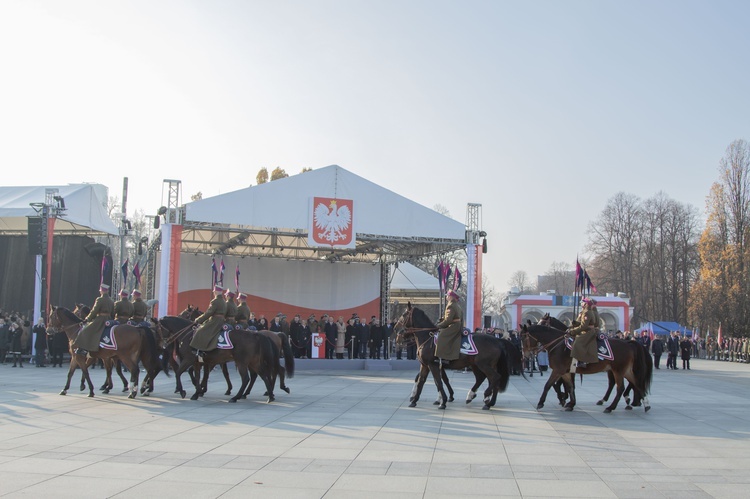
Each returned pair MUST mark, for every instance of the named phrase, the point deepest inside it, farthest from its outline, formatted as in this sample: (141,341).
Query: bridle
(549,346)
(59,327)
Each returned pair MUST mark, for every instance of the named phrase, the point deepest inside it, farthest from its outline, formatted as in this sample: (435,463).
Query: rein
(178,335)
(547,346)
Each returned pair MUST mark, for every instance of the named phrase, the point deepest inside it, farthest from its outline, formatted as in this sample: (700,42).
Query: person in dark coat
(673,348)
(296,333)
(657,348)
(686,349)
(40,343)
(16,343)
(58,345)
(349,338)
(206,337)
(103,310)
(331,332)
(276,326)
(4,339)
(363,337)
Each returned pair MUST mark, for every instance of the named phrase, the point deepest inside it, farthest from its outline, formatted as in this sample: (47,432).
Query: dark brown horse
(491,361)
(629,363)
(252,356)
(133,345)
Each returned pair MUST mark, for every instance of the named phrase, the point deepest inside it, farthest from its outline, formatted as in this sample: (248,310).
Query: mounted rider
(243,312)
(231,313)
(123,308)
(451,325)
(88,338)
(206,337)
(140,309)
(584,345)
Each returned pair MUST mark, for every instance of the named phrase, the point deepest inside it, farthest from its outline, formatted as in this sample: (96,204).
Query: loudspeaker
(37,236)
(487,321)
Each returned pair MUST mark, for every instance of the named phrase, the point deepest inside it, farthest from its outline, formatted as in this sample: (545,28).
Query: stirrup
(81,351)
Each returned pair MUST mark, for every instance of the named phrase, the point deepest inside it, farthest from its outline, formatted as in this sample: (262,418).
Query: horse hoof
(194,397)
(607,410)
(265,394)
(627,400)
(486,408)
(286,389)
(413,404)
(64,392)
(436,403)
(228,392)
(539,406)
(132,395)
(568,409)
(145,394)
(270,399)
(450,399)
(176,390)
(628,408)
(601,402)
(647,408)
(91,395)
(232,400)
(183,393)
(83,387)
(468,401)
(442,407)
(102,388)
(125,390)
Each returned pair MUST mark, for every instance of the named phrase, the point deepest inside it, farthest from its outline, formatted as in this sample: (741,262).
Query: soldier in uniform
(88,338)
(207,335)
(123,308)
(449,337)
(140,309)
(243,312)
(584,346)
(231,314)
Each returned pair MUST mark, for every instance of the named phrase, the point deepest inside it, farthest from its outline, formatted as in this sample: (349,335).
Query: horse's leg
(71,369)
(245,379)
(131,364)
(551,381)
(610,386)
(447,384)
(268,379)
(85,368)
(436,375)
(203,383)
(618,394)
(253,377)
(125,386)
(569,384)
(479,378)
(181,368)
(419,382)
(197,369)
(282,377)
(225,371)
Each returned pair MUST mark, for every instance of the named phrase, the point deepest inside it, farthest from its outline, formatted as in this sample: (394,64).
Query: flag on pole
(718,335)
(137,274)
(447,271)
(221,272)
(456,279)
(589,285)
(579,276)
(440,268)
(124,270)
(105,267)
(237,279)
(213,273)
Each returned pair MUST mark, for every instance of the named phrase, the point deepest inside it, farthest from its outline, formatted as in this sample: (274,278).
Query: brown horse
(133,345)
(492,360)
(252,353)
(629,363)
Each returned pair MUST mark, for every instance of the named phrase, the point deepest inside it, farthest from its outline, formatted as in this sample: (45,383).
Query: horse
(629,363)
(252,358)
(280,339)
(548,320)
(492,359)
(133,345)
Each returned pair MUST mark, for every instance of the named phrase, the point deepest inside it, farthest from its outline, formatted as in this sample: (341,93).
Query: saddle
(603,348)
(107,339)
(467,342)
(224,341)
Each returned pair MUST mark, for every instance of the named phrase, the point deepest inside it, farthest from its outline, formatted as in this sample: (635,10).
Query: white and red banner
(318,346)
(331,223)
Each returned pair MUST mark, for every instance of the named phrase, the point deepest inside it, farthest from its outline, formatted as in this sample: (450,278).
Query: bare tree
(520,280)
(443,210)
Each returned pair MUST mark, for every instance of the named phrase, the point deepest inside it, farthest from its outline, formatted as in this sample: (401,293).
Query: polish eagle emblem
(332,221)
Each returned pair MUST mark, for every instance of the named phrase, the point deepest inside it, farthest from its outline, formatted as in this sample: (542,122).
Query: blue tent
(664,327)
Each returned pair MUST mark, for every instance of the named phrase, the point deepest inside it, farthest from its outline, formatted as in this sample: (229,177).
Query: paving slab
(345,431)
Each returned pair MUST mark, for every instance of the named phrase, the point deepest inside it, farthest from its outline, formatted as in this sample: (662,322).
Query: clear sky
(539,110)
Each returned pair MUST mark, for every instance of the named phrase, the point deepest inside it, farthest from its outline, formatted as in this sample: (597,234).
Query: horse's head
(544,321)
(61,319)
(412,321)
(190,313)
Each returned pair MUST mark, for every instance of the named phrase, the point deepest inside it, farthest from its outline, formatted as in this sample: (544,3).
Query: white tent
(407,277)
(85,209)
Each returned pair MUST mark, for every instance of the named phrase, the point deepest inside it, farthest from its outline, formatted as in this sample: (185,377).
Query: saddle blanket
(467,342)
(603,348)
(225,343)
(108,340)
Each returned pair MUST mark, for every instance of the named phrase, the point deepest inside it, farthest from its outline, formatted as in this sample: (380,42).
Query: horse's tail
(504,368)
(288,354)
(269,354)
(645,368)
(151,350)
(514,357)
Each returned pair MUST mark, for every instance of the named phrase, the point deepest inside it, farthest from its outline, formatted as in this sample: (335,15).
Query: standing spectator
(657,348)
(306,339)
(331,332)
(645,340)
(276,324)
(262,323)
(341,330)
(16,343)
(376,338)
(686,348)
(4,339)
(296,333)
(40,342)
(673,348)
(363,337)
(350,337)
(58,345)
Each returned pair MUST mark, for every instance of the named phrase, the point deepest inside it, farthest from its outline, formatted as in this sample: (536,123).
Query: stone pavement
(343,434)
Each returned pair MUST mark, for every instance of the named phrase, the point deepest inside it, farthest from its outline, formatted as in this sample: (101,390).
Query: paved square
(342,434)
